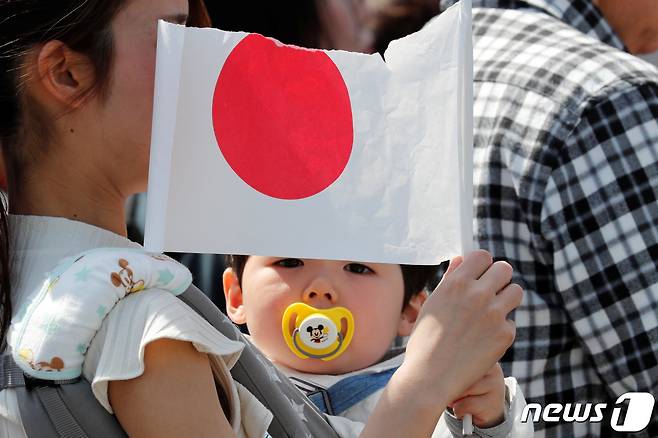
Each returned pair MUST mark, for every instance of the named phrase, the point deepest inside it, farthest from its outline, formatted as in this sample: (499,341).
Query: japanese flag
(262,148)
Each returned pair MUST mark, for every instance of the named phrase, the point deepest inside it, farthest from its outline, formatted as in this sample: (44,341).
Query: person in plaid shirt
(566,182)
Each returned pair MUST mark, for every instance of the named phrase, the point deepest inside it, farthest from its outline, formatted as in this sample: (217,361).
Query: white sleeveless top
(38,243)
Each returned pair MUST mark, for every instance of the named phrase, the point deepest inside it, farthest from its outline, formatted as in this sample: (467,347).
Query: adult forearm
(406,404)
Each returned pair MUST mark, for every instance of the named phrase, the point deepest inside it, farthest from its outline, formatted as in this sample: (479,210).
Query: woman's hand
(463,328)
(484,400)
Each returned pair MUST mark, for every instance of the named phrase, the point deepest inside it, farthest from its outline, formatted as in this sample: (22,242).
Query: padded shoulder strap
(51,337)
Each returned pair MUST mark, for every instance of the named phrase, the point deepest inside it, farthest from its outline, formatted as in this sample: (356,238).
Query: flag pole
(466,146)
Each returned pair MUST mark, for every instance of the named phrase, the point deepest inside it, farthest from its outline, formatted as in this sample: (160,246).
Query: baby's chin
(343,364)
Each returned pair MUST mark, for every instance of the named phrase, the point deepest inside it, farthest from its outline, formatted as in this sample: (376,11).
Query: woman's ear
(233,295)
(64,74)
(410,313)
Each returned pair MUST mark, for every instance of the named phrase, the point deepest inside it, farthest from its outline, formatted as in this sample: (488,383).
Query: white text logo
(638,412)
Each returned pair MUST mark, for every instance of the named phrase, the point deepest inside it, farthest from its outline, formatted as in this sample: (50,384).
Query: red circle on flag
(282,118)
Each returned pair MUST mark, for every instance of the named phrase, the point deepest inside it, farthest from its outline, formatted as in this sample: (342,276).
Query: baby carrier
(56,402)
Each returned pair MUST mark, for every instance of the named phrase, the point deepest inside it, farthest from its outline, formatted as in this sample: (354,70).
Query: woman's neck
(69,194)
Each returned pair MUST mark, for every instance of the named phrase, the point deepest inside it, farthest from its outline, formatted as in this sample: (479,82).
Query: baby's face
(373,292)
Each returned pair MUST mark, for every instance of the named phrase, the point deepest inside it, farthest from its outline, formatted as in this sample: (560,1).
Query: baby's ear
(233,295)
(410,313)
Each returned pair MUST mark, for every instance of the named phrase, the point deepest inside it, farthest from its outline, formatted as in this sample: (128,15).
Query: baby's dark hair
(416,278)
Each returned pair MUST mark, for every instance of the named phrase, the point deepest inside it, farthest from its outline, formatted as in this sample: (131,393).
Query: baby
(330,326)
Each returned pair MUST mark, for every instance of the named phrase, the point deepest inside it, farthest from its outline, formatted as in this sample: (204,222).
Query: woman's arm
(404,406)
(175,396)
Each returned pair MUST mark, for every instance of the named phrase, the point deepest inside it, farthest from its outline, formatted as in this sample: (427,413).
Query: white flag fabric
(268,149)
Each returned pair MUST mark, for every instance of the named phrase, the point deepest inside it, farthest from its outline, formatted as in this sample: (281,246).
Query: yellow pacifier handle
(317,333)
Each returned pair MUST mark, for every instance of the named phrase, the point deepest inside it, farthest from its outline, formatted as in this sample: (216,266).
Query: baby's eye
(358,268)
(289,263)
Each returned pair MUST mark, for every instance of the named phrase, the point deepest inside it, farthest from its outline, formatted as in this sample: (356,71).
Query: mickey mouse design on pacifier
(317,333)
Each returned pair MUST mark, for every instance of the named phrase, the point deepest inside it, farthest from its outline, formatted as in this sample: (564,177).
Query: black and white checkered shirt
(566,188)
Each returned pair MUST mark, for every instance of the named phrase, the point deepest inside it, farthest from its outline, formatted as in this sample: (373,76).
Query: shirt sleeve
(600,215)
(117,351)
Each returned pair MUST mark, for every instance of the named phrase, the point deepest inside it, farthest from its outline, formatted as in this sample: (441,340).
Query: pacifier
(317,333)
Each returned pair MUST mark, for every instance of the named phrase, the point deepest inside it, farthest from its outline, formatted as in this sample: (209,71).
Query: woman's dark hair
(416,278)
(5,291)
(295,23)
(84,26)
(400,18)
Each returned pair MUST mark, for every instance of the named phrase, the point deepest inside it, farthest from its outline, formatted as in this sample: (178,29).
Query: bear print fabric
(56,328)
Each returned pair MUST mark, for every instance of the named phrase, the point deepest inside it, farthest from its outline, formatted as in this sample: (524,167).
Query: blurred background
(652,58)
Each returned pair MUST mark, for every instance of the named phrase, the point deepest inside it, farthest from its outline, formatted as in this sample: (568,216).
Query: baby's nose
(320,297)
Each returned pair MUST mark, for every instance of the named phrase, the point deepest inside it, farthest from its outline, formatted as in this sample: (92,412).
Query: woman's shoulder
(117,350)
(156,311)
(153,314)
